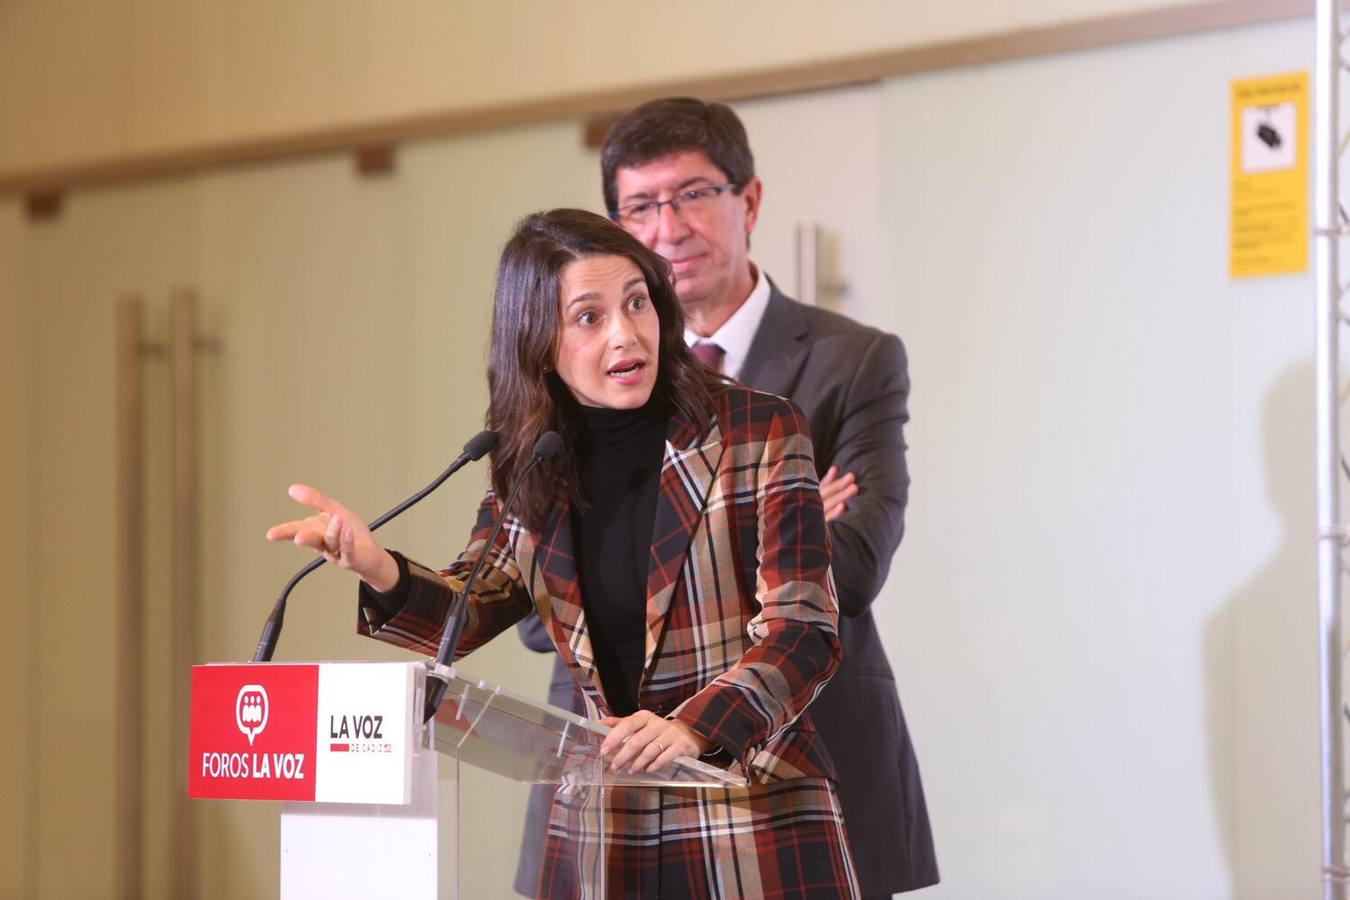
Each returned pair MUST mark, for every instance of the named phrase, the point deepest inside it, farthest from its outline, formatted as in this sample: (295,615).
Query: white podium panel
(364,850)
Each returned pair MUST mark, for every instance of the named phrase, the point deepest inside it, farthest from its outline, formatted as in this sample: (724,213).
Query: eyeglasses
(647,212)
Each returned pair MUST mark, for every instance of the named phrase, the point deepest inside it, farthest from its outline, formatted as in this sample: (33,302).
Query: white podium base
(340,850)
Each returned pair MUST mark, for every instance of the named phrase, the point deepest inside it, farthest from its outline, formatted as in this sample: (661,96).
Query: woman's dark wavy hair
(527,396)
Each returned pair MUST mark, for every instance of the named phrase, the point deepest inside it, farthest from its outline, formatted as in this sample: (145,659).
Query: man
(679,175)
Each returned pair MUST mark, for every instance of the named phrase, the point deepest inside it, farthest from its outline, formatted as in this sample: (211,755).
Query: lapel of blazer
(692,456)
(691,459)
(779,348)
(554,584)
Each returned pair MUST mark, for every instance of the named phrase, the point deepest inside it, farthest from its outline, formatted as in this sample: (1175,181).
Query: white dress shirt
(737,332)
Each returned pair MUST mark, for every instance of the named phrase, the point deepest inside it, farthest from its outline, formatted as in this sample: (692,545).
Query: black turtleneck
(619,454)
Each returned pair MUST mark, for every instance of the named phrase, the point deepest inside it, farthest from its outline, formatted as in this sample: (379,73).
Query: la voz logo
(358,733)
(253,732)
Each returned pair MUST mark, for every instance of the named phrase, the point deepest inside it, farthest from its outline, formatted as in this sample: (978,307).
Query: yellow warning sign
(1268,232)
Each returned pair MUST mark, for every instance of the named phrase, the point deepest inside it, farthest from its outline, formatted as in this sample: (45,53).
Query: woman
(676,551)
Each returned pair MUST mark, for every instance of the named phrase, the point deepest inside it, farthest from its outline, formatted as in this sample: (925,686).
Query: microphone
(545,448)
(475,449)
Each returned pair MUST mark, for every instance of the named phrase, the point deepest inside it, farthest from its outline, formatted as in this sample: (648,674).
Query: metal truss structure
(1331,225)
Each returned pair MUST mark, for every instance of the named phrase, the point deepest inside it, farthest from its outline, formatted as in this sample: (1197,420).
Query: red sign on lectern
(326,732)
(253,733)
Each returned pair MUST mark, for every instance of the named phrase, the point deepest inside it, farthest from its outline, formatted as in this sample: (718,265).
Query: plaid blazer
(741,635)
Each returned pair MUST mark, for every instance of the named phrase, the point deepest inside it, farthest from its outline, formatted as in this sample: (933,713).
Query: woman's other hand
(645,742)
(340,536)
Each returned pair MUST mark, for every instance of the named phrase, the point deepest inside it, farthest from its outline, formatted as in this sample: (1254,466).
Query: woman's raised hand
(340,536)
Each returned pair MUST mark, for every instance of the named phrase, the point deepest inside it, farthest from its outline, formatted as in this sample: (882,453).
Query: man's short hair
(659,128)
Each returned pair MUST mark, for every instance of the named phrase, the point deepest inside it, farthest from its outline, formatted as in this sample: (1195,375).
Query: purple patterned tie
(709,354)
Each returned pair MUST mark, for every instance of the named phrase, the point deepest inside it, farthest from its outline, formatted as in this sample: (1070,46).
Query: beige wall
(108,243)
(87,80)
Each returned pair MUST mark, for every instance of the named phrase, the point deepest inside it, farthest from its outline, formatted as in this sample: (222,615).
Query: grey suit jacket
(852,383)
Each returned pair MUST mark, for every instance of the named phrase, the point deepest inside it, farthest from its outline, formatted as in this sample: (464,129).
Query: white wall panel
(1103,612)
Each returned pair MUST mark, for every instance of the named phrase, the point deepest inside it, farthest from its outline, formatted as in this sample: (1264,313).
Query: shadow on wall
(1261,673)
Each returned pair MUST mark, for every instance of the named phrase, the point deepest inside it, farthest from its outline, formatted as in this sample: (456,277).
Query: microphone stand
(438,678)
